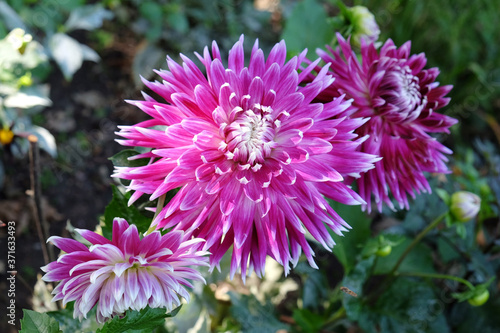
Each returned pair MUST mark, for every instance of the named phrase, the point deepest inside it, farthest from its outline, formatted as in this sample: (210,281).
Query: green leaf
(446,251)
(419,259)
(466,318)
(310,322)
(153,12)
(355,281)
(461,231)
(88,17)
(123,159)
(309,31)
(35,322)
(253,316)
(67,53)
(407,306)
(315,283)
(350,245)
(177,18)
(118,207)
(146,319)
(443,194)
(69,324)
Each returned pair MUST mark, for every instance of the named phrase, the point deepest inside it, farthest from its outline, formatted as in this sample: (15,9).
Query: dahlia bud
(479,299)
(364,25)
(464,205)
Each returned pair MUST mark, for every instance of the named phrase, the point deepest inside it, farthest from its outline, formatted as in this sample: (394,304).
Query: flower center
(250,136)
(401,89)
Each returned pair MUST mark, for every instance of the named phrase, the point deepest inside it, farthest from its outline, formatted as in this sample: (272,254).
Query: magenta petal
(253,153)
(128,273)
(391,88)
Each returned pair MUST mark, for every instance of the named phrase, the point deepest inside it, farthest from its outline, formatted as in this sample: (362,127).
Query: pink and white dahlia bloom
(401,98)
(252,156)
(126,272)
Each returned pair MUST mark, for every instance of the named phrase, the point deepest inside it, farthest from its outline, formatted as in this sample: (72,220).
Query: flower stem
(417,239)
(438,276)
(159,206)
(36,195)
(391,276)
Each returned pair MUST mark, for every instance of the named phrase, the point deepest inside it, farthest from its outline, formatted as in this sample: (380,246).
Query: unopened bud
(464,205)
(364,26)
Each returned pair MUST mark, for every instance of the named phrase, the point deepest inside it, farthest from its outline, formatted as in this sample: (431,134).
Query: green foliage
(471,293)
(308,321)
(118,207)
(69,324)
(459,37)
(307,31)
(54,20)
(465,318)
(188,26)
(418,260)
(35,322)
(314,285)
(349,246)
(253,316)
(354,281)
(379,244)
(124,158)
(138,321)
(406,306)
(24,66)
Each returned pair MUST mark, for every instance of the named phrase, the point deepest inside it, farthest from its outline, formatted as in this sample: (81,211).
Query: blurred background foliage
(125,39)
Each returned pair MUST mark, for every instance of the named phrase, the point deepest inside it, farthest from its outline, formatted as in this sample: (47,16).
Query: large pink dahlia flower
(401,98)
(124,273)
(251,154)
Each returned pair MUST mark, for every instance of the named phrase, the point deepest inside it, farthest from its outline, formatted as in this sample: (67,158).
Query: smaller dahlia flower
(401,98)
(124,273)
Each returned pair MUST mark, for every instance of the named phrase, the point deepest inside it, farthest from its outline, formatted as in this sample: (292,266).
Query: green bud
(479,299)
(25,80)
(464,205)
(384,251)
(364,26)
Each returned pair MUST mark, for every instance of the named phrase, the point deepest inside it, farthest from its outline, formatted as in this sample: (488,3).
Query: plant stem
(159,206)
(36,195)
(439,276)
(417,239)
(392,274)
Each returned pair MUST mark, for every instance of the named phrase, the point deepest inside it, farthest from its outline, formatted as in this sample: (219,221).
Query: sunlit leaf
(35,322)
(67,52)
(146,319)
(88,17)
(46,140)
(118,207)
